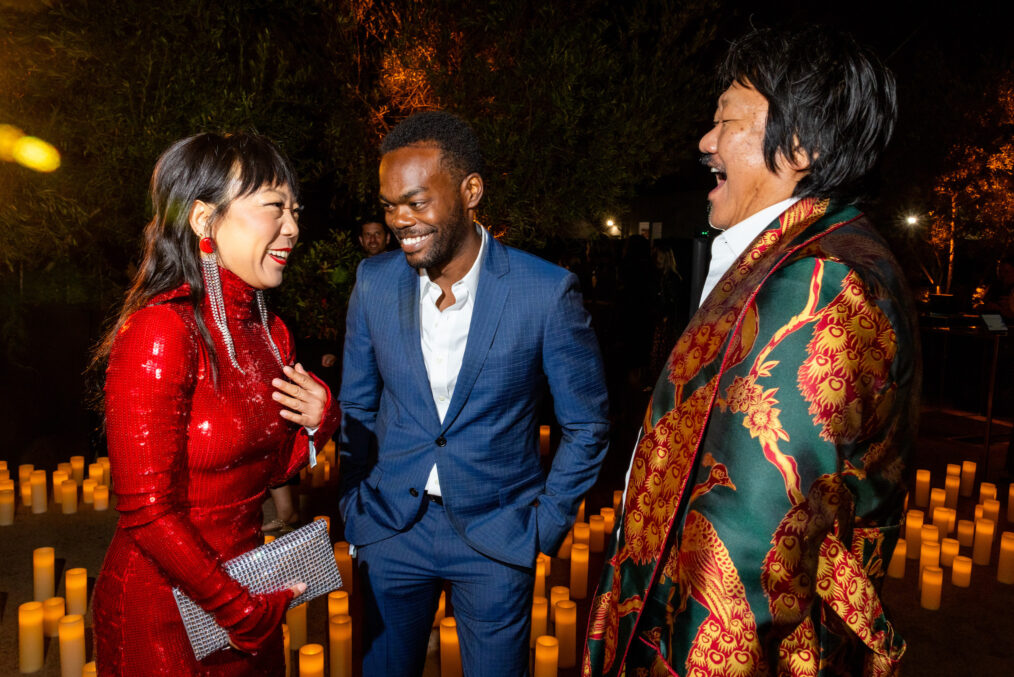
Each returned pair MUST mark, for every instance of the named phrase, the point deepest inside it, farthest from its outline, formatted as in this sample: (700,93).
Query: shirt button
(441,441)
(442,399)
(414,492)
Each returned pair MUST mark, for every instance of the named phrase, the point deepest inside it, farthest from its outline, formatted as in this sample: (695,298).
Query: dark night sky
(944,56)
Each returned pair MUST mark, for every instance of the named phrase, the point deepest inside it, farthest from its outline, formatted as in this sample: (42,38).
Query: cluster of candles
(553,651)
(33,487)
(50,616)
(63,617)
(929,526)
(311,656)
(320,474)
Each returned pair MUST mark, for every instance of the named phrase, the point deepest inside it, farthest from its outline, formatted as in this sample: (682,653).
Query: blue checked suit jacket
(528,328)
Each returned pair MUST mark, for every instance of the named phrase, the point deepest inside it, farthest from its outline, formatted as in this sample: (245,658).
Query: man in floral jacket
(766,488)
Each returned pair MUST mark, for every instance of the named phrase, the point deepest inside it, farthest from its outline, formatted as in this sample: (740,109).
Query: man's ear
(801,159)
(471,190)
(200,218)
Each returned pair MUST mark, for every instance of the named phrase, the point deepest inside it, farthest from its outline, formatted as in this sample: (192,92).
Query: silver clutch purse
(303,555)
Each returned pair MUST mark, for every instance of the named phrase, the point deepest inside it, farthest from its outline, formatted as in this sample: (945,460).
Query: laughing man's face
(734,150)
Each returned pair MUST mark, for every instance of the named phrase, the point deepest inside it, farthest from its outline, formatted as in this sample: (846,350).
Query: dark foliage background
(583,107)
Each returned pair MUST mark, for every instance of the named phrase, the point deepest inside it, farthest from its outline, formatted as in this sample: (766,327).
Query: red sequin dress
(190,468)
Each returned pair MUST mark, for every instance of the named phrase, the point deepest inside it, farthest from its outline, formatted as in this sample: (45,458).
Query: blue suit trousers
(492,602)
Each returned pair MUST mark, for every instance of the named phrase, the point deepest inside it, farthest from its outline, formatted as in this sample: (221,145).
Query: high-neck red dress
(190,467)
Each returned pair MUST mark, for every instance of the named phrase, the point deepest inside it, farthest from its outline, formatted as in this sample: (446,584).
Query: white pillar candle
(932,583)
(77,468)
(6,507)
(982,550)
(30,637)
(1005,565)
(913,532)
(75,583)
(40,494)
(922,487)
(967,478)
(896,569)
(72,645)
(43,563)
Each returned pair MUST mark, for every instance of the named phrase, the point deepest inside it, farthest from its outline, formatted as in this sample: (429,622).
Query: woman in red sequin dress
(203,411)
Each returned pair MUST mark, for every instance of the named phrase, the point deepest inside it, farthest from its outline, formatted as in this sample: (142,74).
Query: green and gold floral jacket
(767,485)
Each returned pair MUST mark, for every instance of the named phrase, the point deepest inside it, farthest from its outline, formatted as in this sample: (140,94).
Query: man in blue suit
(449,346)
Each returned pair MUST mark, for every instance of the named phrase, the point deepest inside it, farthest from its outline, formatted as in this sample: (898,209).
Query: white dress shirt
(730,244)
(444,334)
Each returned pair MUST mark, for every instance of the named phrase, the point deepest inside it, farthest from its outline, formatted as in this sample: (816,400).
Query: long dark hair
(212,168)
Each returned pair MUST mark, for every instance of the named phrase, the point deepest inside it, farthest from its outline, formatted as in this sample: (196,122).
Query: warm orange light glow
(579,571)
(932,580)
(43,561)
(36,154)
(896,569)
(566,632)
(75,583)
(450,650)
(9,135)
(71,630)
(295,618)
(540,619)
(340,626)
(311,660)
(30,637)
(547,656)
(6,507)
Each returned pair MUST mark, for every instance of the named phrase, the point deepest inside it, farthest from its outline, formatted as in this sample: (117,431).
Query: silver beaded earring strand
(263,308)
(213,290)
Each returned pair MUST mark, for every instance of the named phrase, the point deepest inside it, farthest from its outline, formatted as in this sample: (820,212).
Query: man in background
(374,238)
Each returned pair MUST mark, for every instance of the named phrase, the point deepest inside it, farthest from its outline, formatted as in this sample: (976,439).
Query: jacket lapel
(490,297)
(408,314)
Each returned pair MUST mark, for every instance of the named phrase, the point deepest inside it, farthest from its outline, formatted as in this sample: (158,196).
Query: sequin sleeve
(152,371)
(298,445)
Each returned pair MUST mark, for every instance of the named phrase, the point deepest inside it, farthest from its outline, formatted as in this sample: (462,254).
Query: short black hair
(827,96)
(363,224)
(459,147)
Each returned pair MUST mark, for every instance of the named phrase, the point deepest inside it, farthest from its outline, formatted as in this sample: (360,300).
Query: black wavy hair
(827,96)
(459,147)
(213,168)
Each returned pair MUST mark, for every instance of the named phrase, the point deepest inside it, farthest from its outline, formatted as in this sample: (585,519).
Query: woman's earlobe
(200,218)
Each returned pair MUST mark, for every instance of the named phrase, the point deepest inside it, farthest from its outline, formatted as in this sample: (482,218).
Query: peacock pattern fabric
(766,487)
(191,462)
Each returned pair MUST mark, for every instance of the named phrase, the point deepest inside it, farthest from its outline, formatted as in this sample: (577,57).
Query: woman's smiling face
(256,234)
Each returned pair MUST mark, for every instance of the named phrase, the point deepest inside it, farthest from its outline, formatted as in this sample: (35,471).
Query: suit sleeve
(573,366)
(360,396)
(149,389)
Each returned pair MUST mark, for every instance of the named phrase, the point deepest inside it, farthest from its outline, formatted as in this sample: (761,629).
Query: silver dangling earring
(262,306)
(213,290)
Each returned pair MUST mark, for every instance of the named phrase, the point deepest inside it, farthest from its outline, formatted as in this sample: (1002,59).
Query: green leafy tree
(577,103)
(318,283)
(975,195)
(112,84)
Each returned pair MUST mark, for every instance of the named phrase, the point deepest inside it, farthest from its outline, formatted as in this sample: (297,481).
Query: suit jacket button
(414,492)
(441,441)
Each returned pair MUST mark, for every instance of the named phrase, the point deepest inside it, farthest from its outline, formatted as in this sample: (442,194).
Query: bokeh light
(27,151)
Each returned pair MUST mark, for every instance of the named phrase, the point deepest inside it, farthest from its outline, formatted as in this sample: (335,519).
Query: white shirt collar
(738,237)
(730,244)
(466,286)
